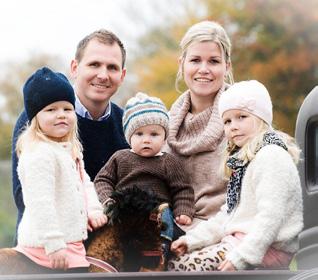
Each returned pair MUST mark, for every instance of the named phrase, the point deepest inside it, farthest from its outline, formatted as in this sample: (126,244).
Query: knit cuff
(236,259)
(184,211)
(108,201)
(52,246)
(192,243)
(102,195)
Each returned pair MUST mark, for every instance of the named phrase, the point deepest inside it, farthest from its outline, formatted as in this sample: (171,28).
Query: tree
(156,61)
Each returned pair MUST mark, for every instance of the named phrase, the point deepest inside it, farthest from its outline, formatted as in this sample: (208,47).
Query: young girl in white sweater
(60,200)
(263,215)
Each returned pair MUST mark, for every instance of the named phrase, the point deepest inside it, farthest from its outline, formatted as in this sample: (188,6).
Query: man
(98,70)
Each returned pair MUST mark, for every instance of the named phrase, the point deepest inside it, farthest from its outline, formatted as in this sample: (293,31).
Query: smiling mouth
(203,80)
(101,86)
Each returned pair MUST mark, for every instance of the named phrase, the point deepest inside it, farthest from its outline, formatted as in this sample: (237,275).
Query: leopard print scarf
(239,167)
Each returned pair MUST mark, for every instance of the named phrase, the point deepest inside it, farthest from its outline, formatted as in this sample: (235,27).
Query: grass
(7,206)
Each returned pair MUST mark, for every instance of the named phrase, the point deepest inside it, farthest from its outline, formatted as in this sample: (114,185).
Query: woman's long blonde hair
(32,134)
(249,150)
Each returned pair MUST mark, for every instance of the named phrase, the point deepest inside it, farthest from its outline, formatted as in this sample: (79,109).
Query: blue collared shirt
(83,112)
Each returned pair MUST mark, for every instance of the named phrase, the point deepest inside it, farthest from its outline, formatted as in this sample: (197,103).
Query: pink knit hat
(250,96)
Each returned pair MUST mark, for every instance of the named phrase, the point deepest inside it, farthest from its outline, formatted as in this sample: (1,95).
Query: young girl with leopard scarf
(263,214)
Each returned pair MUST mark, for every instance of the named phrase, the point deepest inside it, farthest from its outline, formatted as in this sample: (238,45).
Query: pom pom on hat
(45,87)
(144,110)
(251,96)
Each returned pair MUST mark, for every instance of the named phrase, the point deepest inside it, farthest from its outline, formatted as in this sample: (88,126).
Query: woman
(195,129)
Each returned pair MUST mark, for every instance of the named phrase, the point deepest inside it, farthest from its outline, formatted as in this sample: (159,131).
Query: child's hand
(179,247)
(226,265)
(59,259)
(96,222)
(183,220)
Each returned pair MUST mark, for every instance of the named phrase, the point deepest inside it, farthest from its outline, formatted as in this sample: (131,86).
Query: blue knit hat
(45,87)
(144,110)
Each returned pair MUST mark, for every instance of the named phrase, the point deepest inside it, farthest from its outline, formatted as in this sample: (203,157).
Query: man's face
(99,73)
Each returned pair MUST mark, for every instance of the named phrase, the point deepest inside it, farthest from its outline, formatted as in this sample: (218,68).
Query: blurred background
(274,41)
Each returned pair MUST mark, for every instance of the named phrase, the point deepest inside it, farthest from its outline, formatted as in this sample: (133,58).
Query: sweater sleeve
(106,180)
(94,207)
(272,183)
(39,187)
(182,193)
(206,233)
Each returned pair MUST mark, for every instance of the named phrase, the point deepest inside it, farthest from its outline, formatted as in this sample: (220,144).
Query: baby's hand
(59,259)
(96,222)
(183,220)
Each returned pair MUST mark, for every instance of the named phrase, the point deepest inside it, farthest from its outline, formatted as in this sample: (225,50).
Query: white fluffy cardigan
(270,211)
(55,198)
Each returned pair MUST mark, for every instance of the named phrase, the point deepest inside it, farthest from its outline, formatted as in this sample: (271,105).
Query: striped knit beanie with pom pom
(144,110)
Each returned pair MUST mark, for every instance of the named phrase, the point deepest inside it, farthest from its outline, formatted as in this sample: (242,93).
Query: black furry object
(130,201)
(132,233)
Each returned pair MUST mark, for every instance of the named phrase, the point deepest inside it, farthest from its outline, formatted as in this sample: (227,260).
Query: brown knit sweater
(164,175)
(196,140)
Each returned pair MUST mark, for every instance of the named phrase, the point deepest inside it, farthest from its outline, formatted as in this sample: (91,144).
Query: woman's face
(204,68)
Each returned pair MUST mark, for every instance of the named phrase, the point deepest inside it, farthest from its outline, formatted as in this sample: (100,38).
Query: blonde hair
(248,151)
(32,134)
(206,31)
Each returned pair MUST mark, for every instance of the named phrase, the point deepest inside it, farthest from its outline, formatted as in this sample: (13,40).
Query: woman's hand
(226,265)
(59,259)
(183,220)
(179,247)
(96,222)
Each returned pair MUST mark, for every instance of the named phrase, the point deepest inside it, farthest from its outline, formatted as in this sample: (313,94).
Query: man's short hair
(103,36)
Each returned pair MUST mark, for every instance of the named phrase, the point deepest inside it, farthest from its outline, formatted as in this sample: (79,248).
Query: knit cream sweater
(57,202)
(270,211)
(196,140)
